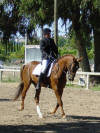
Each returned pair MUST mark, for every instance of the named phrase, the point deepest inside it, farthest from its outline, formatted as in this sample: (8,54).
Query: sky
(1,1)
(61,29)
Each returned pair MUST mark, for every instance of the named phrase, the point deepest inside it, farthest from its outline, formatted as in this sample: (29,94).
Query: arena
(82,108)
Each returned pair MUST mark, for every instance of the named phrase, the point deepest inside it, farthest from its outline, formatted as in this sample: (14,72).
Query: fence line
(9,67)
(8,70)
(87,74)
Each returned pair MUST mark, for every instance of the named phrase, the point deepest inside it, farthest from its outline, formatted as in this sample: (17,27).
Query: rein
(58,67)
(64,70)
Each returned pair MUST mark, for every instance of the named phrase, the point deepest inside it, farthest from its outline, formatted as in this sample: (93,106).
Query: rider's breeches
(45,65)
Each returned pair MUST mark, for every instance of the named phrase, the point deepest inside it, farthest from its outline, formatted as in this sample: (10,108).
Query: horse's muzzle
(71,79)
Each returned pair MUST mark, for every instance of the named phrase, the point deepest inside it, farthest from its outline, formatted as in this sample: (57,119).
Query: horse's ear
(80,59)
(74,59)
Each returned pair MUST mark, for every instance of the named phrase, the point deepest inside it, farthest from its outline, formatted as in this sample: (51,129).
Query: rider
(49,52)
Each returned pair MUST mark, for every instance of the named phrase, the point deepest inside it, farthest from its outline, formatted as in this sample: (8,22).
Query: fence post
(14,75)
(1,73)
(26,41)
(0,76)
(87,86)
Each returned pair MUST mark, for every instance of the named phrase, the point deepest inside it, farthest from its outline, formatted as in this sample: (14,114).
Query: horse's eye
(75,68)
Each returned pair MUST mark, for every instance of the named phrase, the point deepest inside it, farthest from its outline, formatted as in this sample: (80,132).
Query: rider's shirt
(48,48)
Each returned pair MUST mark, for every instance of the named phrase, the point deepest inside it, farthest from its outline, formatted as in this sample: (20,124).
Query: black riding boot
(39,81)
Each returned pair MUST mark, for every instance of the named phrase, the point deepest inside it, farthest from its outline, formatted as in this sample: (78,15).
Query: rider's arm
(55,48)
(43,47)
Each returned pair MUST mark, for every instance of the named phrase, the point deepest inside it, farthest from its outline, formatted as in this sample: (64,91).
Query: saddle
(38,68)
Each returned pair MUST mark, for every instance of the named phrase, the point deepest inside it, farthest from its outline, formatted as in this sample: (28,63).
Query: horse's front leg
(37,94)
(59,101)
(55,109)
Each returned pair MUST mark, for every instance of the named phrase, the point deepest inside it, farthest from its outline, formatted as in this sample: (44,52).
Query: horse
(66,64)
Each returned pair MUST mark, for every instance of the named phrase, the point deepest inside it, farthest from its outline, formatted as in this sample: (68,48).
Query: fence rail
(9,67)
(87,74)
(8,70)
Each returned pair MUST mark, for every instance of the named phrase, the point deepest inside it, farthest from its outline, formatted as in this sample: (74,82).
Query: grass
(69,85)
(10,80)
(96,88)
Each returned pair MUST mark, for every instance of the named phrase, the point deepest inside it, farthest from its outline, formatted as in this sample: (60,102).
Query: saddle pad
(38,68)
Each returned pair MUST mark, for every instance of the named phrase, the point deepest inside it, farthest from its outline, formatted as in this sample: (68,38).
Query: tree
(83,15)
(94,19)
(56,21)
(9,19)
(77,16)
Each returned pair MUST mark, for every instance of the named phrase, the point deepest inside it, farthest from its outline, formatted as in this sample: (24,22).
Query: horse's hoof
(52,112)
(40,116)
(20,109)
(64,116)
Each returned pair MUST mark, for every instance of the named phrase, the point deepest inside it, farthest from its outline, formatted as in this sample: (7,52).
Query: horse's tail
(21,85)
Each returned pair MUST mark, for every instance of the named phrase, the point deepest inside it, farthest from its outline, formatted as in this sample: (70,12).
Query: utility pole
(55,22)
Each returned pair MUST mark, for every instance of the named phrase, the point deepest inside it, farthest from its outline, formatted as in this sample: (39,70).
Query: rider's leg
(39,81)
(43,72)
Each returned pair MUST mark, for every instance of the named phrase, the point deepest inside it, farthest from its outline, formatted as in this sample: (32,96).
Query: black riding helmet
(46,31)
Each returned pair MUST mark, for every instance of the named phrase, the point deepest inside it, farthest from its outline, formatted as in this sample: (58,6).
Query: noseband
(75,67)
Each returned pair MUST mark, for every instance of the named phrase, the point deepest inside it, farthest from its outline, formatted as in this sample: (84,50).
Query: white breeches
(45,63)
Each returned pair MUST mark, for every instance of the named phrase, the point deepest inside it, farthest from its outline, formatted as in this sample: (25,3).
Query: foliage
(90,53)
(84,15)
(17,55)
(96,88)
(9,18)
(67,45)
(2,52)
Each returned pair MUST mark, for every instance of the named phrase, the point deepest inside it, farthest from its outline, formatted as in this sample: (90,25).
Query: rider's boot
(39,81)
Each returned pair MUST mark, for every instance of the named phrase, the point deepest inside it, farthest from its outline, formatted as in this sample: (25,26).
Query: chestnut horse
(57,80)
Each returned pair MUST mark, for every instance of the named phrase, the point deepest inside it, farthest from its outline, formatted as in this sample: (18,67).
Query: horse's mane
(60,58)
(63,57)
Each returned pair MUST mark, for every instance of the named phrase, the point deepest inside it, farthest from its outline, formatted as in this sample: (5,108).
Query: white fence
(87,74)
(32,53)
(8,70)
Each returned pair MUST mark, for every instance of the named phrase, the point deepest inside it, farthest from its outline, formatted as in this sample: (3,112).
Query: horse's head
(72,68)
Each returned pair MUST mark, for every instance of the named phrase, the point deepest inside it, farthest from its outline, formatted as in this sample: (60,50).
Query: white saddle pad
(38,68)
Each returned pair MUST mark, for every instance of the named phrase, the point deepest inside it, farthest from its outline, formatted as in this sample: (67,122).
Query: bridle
(69,68)
(75,68)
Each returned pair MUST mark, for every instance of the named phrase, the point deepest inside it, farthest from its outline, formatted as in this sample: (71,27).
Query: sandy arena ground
(82,108)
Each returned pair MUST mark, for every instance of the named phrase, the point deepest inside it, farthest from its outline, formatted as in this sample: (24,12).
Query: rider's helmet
(46,31)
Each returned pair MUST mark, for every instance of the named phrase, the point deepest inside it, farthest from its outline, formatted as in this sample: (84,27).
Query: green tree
(9,19)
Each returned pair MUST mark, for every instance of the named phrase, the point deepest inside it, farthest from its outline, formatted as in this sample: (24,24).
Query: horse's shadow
(5,100)
(82,124)
(88,118)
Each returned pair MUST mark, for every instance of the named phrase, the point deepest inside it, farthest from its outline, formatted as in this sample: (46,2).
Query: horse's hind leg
(26,87)
(37,94)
